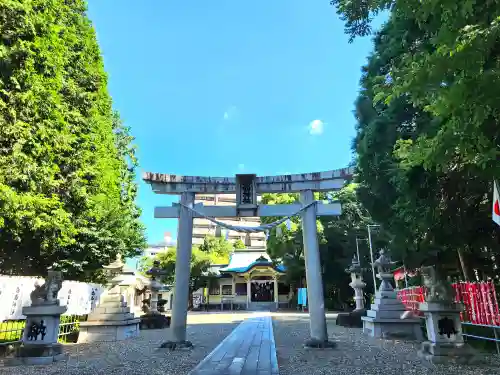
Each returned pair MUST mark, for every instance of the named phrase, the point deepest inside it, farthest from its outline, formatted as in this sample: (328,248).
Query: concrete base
(105,331)
(351,319)
(37,355)
(34,361)
(409,329)
(315,344)
(154,321)
(447,353)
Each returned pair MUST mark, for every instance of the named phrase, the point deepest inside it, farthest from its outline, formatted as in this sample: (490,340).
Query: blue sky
(228,86)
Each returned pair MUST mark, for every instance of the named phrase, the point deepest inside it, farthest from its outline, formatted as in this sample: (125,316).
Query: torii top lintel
(318,181)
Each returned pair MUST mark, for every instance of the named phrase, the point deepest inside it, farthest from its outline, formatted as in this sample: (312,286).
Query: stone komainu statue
(438,290)
(46,294)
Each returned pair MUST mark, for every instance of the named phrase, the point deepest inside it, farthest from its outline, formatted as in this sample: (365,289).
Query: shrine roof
(244,261)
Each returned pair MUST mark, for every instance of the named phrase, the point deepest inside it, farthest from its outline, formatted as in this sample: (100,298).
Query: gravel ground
(357,354)
(140,355)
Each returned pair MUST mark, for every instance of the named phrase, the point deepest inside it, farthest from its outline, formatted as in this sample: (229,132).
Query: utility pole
(371,255)
(357,247)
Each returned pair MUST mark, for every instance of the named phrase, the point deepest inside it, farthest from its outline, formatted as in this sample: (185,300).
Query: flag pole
(406,276)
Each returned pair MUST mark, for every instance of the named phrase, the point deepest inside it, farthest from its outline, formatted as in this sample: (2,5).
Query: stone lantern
(112,319)
(357,283)
(353,318)
(153,319)
(384,320)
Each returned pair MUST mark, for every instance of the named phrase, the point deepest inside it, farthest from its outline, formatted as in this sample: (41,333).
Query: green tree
(238,244)
(218,249)
(67,166)
(287,247)
(434,216)
(451,71)
(337,239)
(200,274)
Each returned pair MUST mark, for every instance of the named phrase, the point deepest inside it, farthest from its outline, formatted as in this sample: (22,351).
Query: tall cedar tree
(67,191)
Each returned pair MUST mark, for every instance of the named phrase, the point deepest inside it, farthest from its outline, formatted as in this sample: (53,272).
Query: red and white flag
(496,203)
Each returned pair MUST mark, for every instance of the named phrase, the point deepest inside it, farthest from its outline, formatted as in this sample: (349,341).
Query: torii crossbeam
(247,187)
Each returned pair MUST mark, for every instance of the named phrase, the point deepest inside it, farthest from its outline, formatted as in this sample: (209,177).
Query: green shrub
(11,330)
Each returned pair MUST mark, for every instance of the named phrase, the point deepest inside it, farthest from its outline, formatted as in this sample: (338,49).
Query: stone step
(387,301)
(112,310)
(117,317)
(112,304)
(394,307)
(385,314)
(112,298)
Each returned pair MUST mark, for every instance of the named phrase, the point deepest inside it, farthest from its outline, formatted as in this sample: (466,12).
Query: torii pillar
(247,187)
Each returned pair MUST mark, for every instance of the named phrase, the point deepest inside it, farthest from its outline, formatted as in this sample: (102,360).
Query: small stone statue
(383,263)
(46,294)
(438,290)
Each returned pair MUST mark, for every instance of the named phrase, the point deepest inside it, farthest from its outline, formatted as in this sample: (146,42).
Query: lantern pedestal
(111,321)
(383,320)
(444,332)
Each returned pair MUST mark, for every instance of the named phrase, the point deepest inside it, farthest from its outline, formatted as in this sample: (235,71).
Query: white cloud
(316,127)
(230,113)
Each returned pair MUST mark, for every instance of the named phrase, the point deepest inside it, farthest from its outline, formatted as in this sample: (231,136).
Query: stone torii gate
(247,187)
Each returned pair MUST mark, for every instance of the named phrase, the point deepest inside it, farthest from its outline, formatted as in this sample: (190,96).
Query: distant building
(153,249)
(204,227)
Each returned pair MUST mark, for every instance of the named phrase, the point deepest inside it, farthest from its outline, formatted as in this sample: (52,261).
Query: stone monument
(39,341)
(383,320)
(353,318)
(111,320)
(153,319)
(445,343)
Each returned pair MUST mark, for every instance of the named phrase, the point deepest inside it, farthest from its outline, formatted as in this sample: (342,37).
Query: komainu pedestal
(39,341)
(445,343)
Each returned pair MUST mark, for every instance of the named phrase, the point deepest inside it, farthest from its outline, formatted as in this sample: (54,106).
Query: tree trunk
(465,270)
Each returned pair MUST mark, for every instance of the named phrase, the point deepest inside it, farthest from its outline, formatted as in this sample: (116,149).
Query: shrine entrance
(247,187)
(262,289)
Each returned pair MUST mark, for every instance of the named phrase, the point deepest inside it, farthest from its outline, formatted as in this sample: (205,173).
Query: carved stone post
(249,291)
(276,291)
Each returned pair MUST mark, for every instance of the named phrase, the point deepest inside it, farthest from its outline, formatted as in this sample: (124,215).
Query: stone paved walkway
(248,350)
